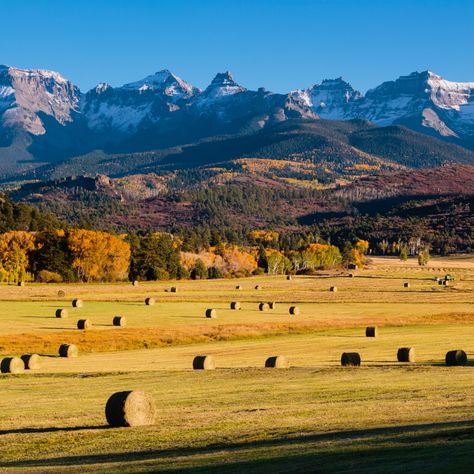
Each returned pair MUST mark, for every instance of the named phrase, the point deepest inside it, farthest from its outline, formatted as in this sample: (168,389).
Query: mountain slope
(44,118)
(316,153)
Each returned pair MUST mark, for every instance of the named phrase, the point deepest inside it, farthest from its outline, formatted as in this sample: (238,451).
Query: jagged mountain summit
(422,101)
(46,118)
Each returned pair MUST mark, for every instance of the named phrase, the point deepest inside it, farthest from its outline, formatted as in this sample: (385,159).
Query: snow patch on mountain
(125,118)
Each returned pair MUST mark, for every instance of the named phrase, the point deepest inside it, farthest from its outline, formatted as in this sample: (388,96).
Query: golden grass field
(314,417)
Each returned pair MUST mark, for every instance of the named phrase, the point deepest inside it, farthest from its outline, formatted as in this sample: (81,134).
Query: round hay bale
(130,408)
(445,282)
(440,282)
(351,275)
(288,277)
(174,289)
(238,287)
(62,313)
(204,363)
(406,354)
(61,294)
(76,303)
(258,287)
(406,285)
(457,357)
(264,307)
(333,289)
(119,321)
(68,350)
(84,324)
(272,304)
(235,305)
(294,310)
(150,301)
(277,362)
(371,331)
(135,282)
(350,358)
(211,313)
(21,283)
(12,365)
(31,361)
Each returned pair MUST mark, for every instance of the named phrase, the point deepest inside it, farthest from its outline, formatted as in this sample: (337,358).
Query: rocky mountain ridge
(45,118)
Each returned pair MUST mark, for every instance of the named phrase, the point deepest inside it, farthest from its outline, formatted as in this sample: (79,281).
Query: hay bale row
(68,350)
(130,408)
(404,354)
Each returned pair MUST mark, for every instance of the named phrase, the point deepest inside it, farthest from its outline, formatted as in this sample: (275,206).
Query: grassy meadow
(317,416)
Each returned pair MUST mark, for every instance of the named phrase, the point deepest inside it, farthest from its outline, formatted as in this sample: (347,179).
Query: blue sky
(279,44)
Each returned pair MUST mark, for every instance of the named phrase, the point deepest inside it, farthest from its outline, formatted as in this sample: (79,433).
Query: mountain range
(45,120)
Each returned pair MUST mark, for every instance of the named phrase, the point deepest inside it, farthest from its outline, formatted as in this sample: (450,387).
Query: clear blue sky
(279,44)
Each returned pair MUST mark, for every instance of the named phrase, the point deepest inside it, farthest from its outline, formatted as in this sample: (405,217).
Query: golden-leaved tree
(99,256)
(15,247)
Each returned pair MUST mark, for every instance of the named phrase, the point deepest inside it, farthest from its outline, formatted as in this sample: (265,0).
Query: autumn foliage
(15,247)
(99,256)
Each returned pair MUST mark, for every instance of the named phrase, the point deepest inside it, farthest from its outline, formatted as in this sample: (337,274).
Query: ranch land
(384,416)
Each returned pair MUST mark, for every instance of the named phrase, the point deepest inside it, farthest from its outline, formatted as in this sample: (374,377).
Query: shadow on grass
(60,329)
(51,429)
(41,317)
(436,447)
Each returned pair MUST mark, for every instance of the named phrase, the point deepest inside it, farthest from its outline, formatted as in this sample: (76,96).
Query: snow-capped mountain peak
(331,99)
(164,82)
(222,85)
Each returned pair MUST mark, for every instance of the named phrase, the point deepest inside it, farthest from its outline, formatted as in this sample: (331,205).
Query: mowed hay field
(316,416)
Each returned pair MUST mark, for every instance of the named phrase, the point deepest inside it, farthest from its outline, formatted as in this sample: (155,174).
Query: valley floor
(317,416)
